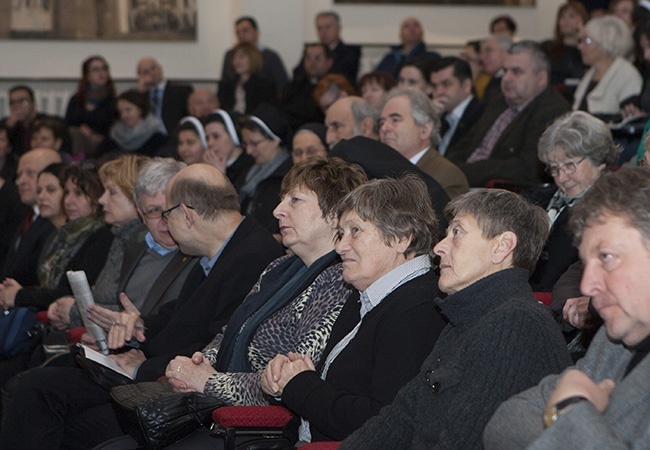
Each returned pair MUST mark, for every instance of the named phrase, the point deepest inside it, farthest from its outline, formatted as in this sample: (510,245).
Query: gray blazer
(624,424)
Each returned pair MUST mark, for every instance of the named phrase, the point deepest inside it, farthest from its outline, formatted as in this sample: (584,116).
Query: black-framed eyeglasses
(165,213)
(566,168)
(153,214)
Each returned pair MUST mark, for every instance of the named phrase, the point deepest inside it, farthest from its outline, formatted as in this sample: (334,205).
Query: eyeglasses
(19,101)
(566,168)
(585,40)
(153,214)
(165,213)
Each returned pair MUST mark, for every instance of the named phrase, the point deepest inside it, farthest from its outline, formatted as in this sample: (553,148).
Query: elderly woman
(263,136)
(387,230)
(118,178)
(309,142)
(610,78)
(249,88)
(224,147)
(191,142)
(577,148)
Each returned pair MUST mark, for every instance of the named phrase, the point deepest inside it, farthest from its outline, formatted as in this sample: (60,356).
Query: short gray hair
(400,208)
(154,176)
(362,109)
(538,56)
(625,194)
(207,197)
(504,42)
(497,211)
(421,109)
(612,34)
(580,135)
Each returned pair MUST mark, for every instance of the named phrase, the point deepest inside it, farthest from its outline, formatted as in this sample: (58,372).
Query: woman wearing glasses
(577,148)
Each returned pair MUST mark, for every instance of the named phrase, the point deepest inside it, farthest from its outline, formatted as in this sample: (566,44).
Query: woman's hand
(576,312)
(189,374)
(282,369)
(10,288)
(59,312)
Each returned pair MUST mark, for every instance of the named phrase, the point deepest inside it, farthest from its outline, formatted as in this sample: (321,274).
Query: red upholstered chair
(41,317)
(543,297)
(74,335)
(321,446)
(258,422)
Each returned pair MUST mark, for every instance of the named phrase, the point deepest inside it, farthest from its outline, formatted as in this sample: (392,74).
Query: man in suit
(349,117)
(451,82)
(346,57)
(503,143)
(203,217)
(168,101)
(603,401)
(409,124)
(21,261)
(272,67)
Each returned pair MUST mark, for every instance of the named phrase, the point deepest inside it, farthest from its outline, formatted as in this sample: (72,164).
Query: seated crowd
(312,241)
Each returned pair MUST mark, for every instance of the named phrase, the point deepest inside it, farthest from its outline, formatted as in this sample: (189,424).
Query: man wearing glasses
(22,112)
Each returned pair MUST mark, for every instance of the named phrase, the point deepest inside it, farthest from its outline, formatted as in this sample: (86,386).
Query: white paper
(104,360)
(84,297)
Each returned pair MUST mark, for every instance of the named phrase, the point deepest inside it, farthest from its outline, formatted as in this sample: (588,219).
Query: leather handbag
(156,417)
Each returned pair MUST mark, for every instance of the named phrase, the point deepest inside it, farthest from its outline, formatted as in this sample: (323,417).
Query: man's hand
(10,288)
(130,360)
(576,383)
(576,312)
(103,317)
(129,325)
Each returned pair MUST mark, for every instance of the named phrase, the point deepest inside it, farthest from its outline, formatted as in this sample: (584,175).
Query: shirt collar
(386,284)
(459,110)
(208,263)
(156,247)
(418,156)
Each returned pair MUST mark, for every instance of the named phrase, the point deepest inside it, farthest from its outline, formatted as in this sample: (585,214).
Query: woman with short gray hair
(611,78)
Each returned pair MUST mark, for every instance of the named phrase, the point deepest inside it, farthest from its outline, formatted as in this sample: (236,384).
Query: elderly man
(168,101)
(409,124)
(349,117)
(412,45)
(503,143)
(203,217)
(499,339)
(451,83)
(346,57)
(202,102)
(247,32)
(603,401)
(21,261)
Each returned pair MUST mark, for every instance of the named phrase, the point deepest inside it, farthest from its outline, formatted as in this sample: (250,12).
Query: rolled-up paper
(84,298)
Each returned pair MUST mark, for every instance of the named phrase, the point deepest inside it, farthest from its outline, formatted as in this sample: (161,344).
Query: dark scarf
(277,289)
(64,247)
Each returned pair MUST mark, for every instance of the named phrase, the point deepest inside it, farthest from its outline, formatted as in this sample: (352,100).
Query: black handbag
(103,376)
(156,417)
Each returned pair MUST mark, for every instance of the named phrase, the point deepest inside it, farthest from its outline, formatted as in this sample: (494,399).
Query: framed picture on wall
(156,20)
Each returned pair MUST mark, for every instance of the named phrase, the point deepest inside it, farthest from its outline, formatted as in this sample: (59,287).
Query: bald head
(349,117)
(411,32)
(202,102)
(150,73)
(29,166)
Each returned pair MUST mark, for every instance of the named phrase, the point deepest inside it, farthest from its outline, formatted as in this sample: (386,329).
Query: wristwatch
(552,413)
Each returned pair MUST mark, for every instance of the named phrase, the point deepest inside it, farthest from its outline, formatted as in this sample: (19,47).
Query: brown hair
(254,56)
(123,171)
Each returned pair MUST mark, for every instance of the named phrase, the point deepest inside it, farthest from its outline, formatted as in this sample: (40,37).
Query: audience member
(309,142)
(202,102)
(8,161)
(350,117)
(225,150)
(566,61)
(470,54)
(386,232)
(137,130)
(374,86)
(22,112)
(492,243)
(234,251)
(451,85)
(247,32)
(91,109)
(330,88)
(21,261)
(412,45)
(503,25)
(503,143)
(409,124)
(345,57)
(247,89)
(492,54)
(191,139)
(416,74)
(611,79)
(168,101)
(623,9)
(264,137)
(11,208)
(602,401)
(50,132)
(297,102)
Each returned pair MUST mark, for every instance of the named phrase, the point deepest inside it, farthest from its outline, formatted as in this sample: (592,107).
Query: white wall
(285,25)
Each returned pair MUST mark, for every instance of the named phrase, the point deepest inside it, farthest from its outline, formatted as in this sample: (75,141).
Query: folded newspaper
(84,298)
